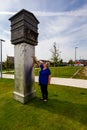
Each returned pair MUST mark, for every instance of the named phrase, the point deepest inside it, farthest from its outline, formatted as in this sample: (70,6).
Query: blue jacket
(44,75)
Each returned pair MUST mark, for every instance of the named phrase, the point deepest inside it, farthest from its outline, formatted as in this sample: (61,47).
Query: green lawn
(10,71)
(81,75)
(62,72)
(66,109)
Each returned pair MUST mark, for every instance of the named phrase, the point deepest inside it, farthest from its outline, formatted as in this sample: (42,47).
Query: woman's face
(45,64)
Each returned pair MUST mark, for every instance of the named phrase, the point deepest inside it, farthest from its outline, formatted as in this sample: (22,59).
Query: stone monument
(24,37)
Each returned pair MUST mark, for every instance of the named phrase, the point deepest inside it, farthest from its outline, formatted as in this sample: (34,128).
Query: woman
(44,78)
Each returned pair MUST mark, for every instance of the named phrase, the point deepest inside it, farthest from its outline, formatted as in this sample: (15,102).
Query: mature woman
(44,78)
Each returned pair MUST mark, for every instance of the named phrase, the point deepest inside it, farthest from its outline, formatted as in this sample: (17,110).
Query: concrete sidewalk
(9,76)
(60,81)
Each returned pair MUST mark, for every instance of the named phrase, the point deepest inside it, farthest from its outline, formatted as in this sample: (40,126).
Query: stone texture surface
(24,36)
(24,74)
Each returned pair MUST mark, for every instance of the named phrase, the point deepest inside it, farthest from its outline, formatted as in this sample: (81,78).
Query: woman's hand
(49,79)
(35,60)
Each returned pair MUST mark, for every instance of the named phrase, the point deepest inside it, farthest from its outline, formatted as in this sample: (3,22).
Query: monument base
(24,98)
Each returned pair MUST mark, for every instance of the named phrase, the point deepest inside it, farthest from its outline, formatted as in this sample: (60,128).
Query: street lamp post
(75,54)
(1,40)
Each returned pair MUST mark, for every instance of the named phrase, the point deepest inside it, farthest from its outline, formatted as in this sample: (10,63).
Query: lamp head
(2,40)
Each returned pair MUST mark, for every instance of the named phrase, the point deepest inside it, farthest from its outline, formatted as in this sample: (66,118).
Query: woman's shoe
(45,100)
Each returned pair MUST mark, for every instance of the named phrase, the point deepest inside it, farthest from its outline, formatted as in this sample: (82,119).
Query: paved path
(60,81)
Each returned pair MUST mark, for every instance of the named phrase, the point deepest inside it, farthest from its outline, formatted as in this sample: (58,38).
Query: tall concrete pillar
(24,37)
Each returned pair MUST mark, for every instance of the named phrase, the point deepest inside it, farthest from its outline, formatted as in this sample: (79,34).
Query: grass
(66,109)
(81,74)
(10,71)
(62,72)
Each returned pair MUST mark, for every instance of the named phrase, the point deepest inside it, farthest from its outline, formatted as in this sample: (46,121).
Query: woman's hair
(47,64)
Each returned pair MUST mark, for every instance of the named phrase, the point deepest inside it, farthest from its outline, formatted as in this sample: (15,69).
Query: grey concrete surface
(80,83)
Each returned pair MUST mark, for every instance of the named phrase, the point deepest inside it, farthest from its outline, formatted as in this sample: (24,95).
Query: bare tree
(55,55)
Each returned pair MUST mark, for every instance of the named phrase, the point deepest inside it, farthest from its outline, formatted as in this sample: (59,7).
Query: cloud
(8,4)
(7,49)
(66,28)
(7,13)
(82,12)
(67,31)
(68,13)
(74,13)
(79,12)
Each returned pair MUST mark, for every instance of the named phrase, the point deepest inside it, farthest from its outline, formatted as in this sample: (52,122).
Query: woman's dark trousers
(44,91)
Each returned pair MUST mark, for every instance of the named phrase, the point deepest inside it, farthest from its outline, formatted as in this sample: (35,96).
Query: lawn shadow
(73,111)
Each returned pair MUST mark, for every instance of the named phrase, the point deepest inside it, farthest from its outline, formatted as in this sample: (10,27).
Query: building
(10,59)
(82,61)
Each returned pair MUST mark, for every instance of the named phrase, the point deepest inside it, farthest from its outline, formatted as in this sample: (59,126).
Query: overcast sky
(61,21)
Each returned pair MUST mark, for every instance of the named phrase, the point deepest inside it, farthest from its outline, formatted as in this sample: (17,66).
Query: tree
(61,62)
(8,64)
(55,55)
(71,62)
